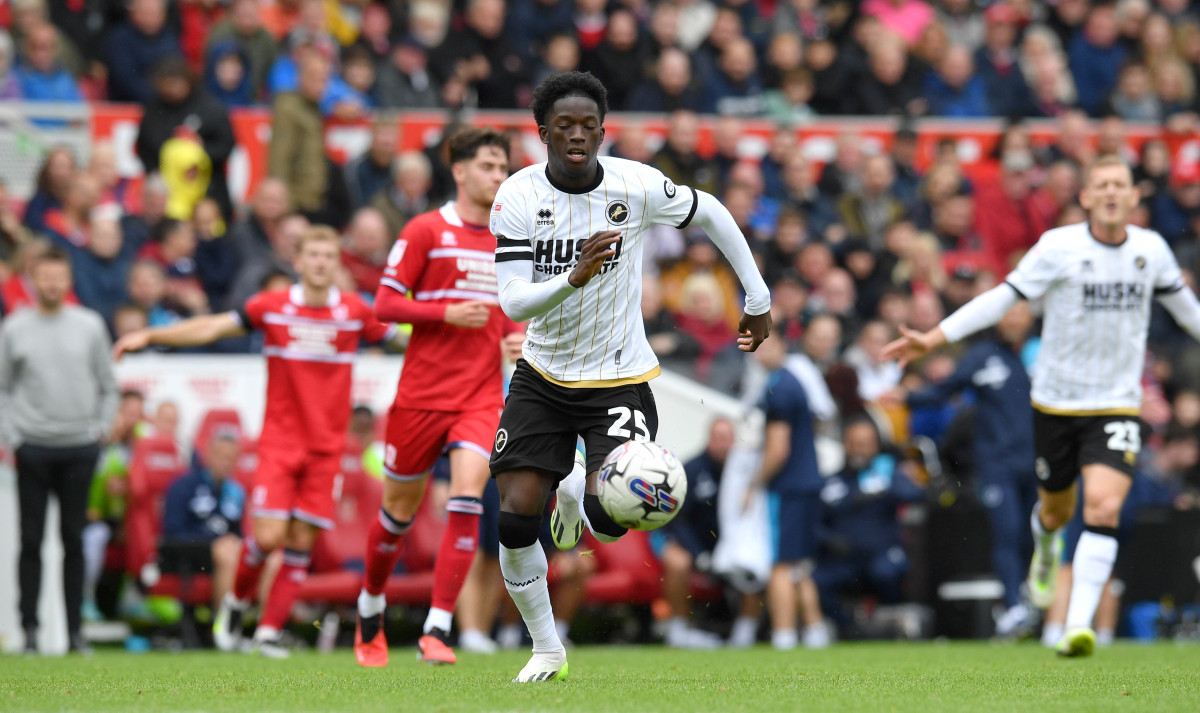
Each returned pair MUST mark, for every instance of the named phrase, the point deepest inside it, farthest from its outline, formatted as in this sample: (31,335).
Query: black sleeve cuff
(691,213)
(1014,289)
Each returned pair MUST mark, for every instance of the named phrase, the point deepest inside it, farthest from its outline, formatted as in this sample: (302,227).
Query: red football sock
(383,550)
(284,589)
(457,550)
(250,566)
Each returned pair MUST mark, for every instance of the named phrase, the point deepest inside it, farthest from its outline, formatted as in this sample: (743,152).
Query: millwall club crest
(617,212)
(1139,262)
(669,188)
(501,440)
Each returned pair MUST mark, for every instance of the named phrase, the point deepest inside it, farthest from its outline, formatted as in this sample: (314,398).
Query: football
(642,485)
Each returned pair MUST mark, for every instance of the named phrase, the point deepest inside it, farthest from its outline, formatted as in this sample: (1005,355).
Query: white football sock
(1104,637)
(1091,568)
(745,631)
(1043,538)
(370,605)
(1052,633)
(677,626)
(784,639)
(562,627)
(524,573)
(438,619)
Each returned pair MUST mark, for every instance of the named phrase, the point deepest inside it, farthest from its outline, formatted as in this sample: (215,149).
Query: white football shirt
(1097,300)
(596,334)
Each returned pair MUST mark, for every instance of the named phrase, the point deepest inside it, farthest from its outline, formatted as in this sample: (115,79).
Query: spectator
(560,55)
(408,194)
(1133,98)
(129,318)
(58,395)
(844,173)
(12,234)
(996,63)
(1153,170)
(358,73)
(146,285)
(678,157)
(107,495)
(789,472)
(801,194)
(405,81)
(1059,189)
(962,22)
(41,75)
(493,65)
(859,532)
(69,225)
(365,250)
(10,88)
(791,233)
(18,292)
(135,47)
(734,88)
(530,23)
(1044,67)
(1171,209)
(116,198)
(702,317)
(833,74)
(686,543)
(672,88)
(372,171)
(139,225)
(891,85)
(701,256)
(1002,447)
(875,377)
(907,184)
(617,62)
(244,26)
(955,90)
(867,213)
(101,267)
(268,264)
(251,238)
(789,105)
(179,107)
(297,151)
(1006,216)
(676,349)
(227,75)
(216,257)
(203,511)
(1096,58)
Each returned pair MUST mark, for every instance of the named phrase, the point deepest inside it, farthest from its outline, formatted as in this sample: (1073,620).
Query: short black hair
(464,144)
(53,253)
(568,84)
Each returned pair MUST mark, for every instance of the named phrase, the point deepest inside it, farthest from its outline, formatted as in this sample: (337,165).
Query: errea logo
(545,217)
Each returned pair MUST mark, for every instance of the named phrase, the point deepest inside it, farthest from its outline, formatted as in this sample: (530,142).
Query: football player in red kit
(310,332)
(441,278)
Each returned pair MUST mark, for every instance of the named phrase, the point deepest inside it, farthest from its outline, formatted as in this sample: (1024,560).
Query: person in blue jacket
(993,371)
(789,472)
(205,506)
(859,532)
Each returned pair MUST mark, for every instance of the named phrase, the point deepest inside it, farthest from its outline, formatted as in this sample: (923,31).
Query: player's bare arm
(596,249)
(193,332)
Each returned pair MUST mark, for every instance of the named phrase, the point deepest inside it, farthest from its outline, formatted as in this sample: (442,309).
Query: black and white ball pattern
(642,485)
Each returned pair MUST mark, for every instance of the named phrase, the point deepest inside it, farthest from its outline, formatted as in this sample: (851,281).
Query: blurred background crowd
(853,245)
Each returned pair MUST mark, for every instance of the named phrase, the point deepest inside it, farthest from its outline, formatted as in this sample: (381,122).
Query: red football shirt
(441,260)
(310,354)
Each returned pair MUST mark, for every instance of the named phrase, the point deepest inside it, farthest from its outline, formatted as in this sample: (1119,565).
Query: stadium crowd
(851,249)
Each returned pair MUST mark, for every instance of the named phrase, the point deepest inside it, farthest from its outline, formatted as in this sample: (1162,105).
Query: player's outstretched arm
(192,332)
(1184,309)
(978,314)
(719,225)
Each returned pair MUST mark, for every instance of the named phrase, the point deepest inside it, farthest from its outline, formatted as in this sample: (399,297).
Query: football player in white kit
(1097,280)
(568,259)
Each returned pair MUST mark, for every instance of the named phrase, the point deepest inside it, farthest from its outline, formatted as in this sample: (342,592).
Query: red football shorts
(415,438)
(294,483)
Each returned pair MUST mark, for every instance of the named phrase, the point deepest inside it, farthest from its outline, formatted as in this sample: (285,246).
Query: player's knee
(601,523)
(519,531)
(400,503)
(269,534)
(1102,511)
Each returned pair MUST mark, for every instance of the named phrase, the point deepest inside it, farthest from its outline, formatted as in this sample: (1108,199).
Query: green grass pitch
(882,678)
